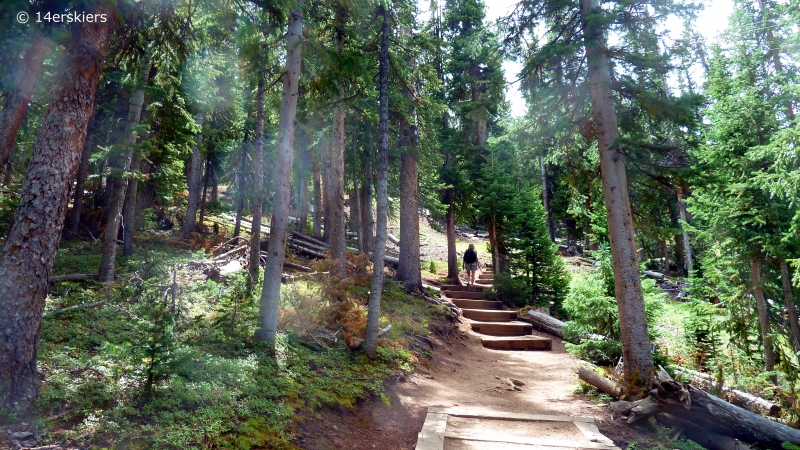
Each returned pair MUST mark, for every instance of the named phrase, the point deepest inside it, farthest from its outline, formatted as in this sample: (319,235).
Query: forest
(224,220)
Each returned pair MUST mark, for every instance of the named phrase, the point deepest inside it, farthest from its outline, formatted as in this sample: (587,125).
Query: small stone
(335,428)
(20,435)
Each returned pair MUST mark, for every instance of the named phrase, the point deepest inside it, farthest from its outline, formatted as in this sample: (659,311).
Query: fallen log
(543,322)
(230,252)
(58,312)
(394,240)
(713,414)
(307,251)
(656,275)
(602,383)
(708,439)
(750,402)
(296,266)
(302,236)
(310,245)
(73,277)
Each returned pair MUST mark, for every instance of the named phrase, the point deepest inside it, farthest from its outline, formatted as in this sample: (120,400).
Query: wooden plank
(455,287)
(431,437)
(500,437)
(480,413)
(591,431)
(464,295)
(489,315)
(518,343)
(477,304)
(502,328)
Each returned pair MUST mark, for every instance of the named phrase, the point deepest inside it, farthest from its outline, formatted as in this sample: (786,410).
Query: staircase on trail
(487,317)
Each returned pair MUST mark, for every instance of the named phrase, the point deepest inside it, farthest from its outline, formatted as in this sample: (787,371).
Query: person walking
(470,263)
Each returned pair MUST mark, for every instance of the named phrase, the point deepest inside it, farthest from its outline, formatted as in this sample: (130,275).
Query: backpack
(470,256)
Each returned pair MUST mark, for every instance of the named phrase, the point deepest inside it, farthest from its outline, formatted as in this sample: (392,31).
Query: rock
(20,435)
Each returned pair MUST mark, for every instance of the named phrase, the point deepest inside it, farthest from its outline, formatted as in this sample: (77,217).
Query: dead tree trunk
(374,307)
(630,300)
(193,180)
(270,294)
(240,176)
(258,186)
(80,183)
(122,165)
(763,315)
(369,219)
(33,239)
(19,95)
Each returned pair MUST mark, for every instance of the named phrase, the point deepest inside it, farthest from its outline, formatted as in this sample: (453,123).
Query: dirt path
(462,372)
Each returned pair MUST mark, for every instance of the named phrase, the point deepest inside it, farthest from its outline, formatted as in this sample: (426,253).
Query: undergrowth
(168,359)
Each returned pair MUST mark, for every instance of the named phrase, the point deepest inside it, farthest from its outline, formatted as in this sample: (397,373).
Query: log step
(518,343)
(489,315)
(486,276)
(477,304)
(464,295)
(455,287)
(502,328)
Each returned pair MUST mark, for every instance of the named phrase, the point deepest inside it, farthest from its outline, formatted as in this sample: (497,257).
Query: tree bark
(129,208)
(33,239)
(551,226)
(409,269)
(356,215)
(303,180)
(317,195)
(270,294)
(336,194)
(452,256)
(687,246)
(80,184)
(19,95)
(206,179)
(258,185)
(120,184)
(600,382)
(240,187)
(374,306)
(193,180)
(630,300)
(763,315)
(791,309)
(369,223)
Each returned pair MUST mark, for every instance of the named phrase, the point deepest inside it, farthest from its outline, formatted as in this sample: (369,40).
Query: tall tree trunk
(317,194)
(775,52)
(270,294)
(630,300)
(326,194)
(129,208)
(80,185)
(369,222)
(206,179)
(336,195)
(788,297)
(193,180)
(120,184)
(408,270)
(551,226)
(33,239)
(19,95)
(763,315)
(356,215)
(258,185)
(452,256)
(374,305)
(240,188)
(687,246)
(302,179)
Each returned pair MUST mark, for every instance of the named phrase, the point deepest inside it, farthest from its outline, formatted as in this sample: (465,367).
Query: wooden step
(456,287)
(502,328)
(477,304)
(464,295)
(518,343)
(489,315)
(486,276)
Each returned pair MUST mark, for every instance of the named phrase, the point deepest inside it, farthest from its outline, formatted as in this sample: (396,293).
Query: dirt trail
(462,372)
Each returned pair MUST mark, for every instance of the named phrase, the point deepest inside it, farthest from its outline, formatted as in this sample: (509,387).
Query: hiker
(470,263)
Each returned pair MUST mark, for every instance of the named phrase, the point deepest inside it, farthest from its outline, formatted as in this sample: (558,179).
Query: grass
(140,371)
